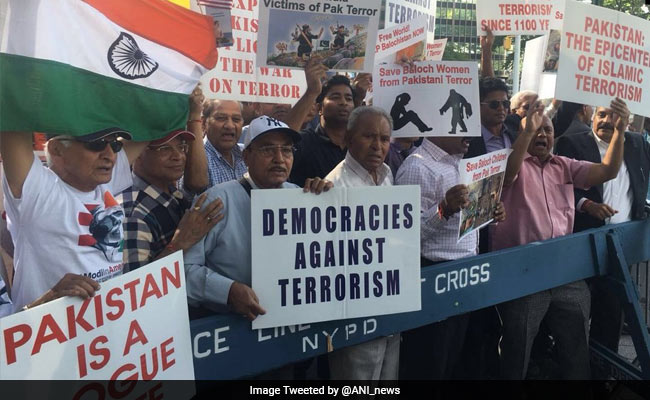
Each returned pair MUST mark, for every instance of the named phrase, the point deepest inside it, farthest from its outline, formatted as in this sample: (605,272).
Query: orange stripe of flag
(165,23)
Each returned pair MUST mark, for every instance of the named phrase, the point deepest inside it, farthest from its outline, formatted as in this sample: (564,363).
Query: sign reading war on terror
(346,253)
(604,54)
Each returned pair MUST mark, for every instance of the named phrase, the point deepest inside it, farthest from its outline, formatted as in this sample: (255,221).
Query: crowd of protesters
(106,205)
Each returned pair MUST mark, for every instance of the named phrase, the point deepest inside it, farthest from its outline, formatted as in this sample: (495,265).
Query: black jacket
(477,145)
(582,146)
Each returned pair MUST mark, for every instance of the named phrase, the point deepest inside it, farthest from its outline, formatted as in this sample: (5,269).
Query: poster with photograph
(429,98)
(219,10)
(342,34)
(400,11)
(537,73)
(484,177)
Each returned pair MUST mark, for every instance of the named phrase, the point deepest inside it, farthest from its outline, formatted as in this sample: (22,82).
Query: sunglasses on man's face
(494,104)
(100,144)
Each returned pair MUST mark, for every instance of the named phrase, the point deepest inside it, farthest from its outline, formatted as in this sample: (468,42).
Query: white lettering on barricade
(459,279)
(114,335)
(346,253)
(603,55)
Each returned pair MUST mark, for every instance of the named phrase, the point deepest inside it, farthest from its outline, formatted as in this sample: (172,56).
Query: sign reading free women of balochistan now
(346,253)
(603,54)
(135,327)
(431,98)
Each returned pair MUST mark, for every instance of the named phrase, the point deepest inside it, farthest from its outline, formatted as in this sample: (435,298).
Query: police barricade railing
(225,346)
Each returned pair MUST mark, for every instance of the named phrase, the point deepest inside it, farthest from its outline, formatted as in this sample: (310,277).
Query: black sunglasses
(494,104)
(100,144)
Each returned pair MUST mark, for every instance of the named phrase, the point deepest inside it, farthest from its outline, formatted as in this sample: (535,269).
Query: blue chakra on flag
(128,61)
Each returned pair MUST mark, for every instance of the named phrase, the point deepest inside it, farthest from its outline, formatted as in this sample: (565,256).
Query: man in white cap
(218,267)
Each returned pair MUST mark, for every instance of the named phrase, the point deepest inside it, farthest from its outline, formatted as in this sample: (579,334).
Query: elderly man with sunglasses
(64,219)
(218,267)
(158,218)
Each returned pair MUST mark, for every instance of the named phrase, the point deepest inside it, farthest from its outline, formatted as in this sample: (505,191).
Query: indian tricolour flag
(80,66)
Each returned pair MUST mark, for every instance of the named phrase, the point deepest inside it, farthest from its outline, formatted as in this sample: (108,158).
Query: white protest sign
(400,11)
(431,98)
(514,17)
(557,19)
(237,76)
(436,50)
(539,71)
(484,177)
(346,253)
(604,55)
(403,41)
(135,327)
(343,34)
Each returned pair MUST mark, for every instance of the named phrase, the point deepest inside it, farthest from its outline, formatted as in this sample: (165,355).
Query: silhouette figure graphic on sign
(457,103)
(401,117)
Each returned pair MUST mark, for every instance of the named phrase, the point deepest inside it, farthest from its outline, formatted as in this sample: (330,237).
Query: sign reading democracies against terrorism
(604,54)
(342,33)
(135,327)
(346,253)
(430,98)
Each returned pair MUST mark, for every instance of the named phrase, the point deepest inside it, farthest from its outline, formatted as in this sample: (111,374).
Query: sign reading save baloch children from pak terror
(431,98)
(114,335)
(342,33)
(346,253)
(604,54)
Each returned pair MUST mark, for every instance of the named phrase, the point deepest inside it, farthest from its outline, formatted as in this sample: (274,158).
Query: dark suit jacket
(576,126)
(582,146)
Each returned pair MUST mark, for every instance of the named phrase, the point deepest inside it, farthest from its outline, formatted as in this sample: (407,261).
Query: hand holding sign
(456,198)
(69,285)
(621,114)
(244,301)
(499,212)
(314,72)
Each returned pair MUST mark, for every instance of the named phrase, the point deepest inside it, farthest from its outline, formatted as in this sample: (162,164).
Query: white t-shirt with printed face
(58,229)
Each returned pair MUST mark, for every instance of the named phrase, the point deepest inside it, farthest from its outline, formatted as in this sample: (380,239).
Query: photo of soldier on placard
(295,37)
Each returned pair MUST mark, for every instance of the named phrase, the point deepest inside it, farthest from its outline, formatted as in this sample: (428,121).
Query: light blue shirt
(223,256)
(493,142)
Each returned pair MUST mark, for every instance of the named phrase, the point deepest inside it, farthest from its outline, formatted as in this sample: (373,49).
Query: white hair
(48,157)
(363,110)
(518,98)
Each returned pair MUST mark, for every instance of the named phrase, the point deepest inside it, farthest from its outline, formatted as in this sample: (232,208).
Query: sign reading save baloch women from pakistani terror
(604,54)
(346,253)
(431,98)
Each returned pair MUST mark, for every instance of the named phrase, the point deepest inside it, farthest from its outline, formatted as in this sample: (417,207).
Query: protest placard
(400,11)
(514,17)
(539,71)
(219,10)
(436,50)
(115,335)
(430,98)
(237,75)
(603,55)
(346,253)
(557,19)
(484,177)
(406,41)
(343,34)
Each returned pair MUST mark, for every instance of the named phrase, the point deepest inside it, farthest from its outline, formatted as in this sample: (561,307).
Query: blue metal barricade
(225,346)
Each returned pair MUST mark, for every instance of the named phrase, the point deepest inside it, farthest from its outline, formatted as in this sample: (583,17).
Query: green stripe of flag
(45,96)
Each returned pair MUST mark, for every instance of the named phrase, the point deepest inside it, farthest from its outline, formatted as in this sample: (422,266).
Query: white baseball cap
(261,125)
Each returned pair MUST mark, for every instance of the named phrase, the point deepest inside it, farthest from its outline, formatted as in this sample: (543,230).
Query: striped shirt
(436,172)
(151,219)
(219,170)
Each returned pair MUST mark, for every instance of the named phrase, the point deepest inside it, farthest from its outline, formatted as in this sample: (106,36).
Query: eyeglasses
(99,144)
(269,151)
(494,104)
(168,150)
